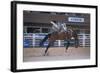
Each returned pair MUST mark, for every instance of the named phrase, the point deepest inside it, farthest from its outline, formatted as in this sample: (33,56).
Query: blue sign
(75,19)
(27,43)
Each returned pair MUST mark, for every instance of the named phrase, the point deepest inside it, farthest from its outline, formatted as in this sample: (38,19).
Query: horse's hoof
(44,55)
(76,46)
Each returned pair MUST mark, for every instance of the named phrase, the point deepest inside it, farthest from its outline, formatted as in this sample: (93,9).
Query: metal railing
(33,40)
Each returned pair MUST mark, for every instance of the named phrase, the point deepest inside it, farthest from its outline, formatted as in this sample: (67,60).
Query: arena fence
(33,40)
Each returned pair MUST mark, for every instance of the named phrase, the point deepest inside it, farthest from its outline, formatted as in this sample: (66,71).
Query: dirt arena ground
(55,53)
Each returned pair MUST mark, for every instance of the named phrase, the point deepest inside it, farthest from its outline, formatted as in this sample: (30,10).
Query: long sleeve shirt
(58,27)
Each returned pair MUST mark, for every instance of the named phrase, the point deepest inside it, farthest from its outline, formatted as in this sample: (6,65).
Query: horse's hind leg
(41,43)
(46,49)
(50,43)
(67,45)
(45,38)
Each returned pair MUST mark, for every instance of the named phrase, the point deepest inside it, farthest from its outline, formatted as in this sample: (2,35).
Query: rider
(70,30)
(57,27)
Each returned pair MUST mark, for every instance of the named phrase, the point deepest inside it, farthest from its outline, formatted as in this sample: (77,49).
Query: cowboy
(58,27)
(70,30)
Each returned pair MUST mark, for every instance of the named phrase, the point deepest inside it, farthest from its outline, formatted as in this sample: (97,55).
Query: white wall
(5,36)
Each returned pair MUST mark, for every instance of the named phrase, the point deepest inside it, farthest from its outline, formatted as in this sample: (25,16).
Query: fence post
(33,40)
(59,43)
(84,40)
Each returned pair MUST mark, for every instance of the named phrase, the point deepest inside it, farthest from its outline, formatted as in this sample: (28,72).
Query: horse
(60,36)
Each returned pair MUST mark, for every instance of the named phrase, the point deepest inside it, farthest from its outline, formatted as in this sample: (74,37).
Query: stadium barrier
(33,40)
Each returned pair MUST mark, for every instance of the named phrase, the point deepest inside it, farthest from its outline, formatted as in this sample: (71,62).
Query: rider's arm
(64,27)
(54,24)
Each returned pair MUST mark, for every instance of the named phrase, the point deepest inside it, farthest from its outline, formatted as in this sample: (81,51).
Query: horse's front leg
(67,44)
(76,43)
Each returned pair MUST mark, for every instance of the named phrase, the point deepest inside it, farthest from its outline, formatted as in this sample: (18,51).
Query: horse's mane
(63,35)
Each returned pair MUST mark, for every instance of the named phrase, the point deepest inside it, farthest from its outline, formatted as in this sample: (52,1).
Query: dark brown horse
(61,36)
